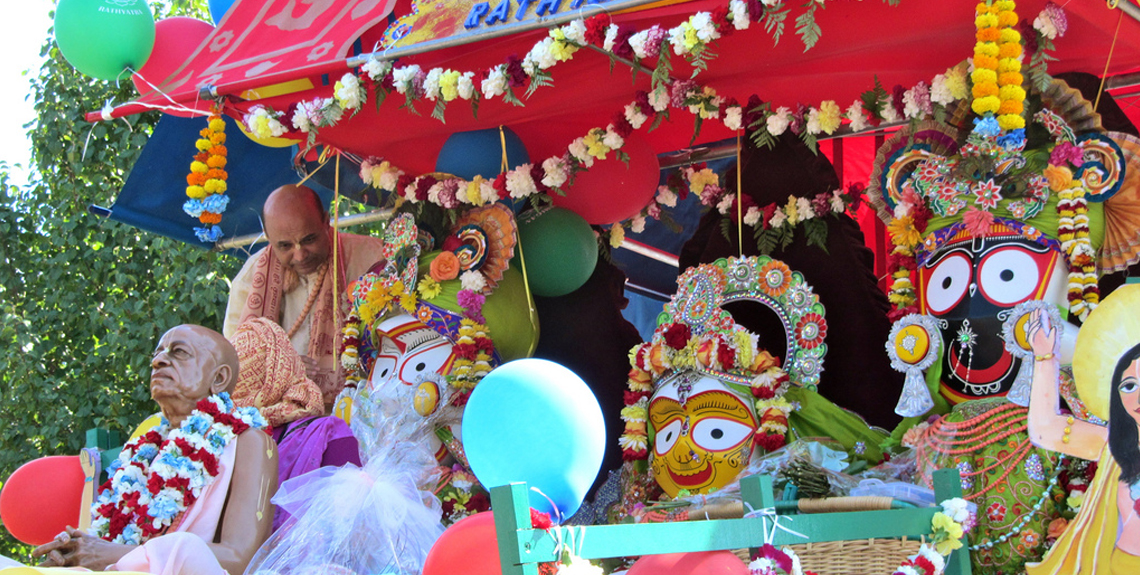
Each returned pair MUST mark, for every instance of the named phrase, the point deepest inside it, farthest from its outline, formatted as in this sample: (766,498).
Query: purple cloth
(310,443)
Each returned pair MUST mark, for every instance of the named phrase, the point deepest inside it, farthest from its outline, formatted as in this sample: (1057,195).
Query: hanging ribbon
(913,346)
(1013,331)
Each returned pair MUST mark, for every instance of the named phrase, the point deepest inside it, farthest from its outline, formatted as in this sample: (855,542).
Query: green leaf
(440,107)
(806,26)
(775,20)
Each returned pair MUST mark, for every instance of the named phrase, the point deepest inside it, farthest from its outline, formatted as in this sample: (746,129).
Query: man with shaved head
(191,496)
(291,281)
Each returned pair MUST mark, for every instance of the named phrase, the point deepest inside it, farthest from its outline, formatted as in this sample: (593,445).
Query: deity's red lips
(695,480)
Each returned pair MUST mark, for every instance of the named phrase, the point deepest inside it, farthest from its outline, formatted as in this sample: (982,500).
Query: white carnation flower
(637,225)
(473,280)
(376,68)
(575,32)
(706,29)
(733,117)
(634,116)
(496,83)
(519,182)
(637,42)
(857,117)
(752,216)
(659,99)
(612,139)
(939,92)
(779,120)
(739,14)
(804,209)
(466,85)
(431,83)
(677,39)
(778,218)
(666,197)
(813,126)
(611,37)
(578,150)
(556,172)
(402,77)
(725,204)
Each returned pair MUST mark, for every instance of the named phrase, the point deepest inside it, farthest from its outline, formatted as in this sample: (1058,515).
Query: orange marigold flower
(989,35)
(1009,50)
(986,89)
(987,62)
(1011,107)
(210,218)
(201,157)
(216,162)
(218,150)
(1010,79)
(1007,19)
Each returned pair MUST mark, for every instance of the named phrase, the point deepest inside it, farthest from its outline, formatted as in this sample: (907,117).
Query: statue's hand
(93,553)
(1041,333)
(56,552)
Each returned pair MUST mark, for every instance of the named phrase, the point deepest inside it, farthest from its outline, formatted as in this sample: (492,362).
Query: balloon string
(336,248)
(506,164)
(529,296)
(1104,76)
(739,203)
(557,513)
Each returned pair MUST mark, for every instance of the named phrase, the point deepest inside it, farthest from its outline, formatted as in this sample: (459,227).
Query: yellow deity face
(703,434)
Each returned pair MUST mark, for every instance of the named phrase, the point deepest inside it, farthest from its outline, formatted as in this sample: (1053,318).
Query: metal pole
(353,220)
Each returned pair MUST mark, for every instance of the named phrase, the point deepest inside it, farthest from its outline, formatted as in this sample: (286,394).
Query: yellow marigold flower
(217,124)
(1010,36)
(635,412)
(1004,6)
(903,232)
(199,167)
(1011,122)
(984,76)
(215,186)
(986,49)
(196,192)
(1008,65)
(1016,93)
(987,104)
(217,138)
(986,20)
(617,236)
(203,144)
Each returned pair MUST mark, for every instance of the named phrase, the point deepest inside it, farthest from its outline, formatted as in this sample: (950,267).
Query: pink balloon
(469,546)
(611,192)
(175,40)
(703,563)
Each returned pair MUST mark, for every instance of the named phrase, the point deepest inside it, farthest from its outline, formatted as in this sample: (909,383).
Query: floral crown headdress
(695,332)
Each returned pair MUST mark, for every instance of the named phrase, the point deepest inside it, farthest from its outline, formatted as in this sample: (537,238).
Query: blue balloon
(218,8)
(480,153)
(533,420)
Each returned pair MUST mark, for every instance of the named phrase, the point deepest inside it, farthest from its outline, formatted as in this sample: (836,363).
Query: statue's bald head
(192,360)
(297,227)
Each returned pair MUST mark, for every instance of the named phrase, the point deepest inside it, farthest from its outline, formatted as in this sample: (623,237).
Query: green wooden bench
(522,548)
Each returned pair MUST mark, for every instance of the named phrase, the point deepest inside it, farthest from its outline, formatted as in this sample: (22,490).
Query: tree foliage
(82,299)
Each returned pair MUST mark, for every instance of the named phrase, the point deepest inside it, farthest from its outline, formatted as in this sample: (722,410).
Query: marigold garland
(997,74)
(206,182)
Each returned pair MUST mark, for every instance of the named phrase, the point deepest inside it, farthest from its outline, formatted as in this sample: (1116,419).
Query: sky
(22,30)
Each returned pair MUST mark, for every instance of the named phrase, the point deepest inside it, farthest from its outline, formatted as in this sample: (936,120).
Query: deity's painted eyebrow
(426,336)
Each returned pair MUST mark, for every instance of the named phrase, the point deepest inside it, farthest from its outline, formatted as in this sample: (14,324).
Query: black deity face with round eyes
(968,285)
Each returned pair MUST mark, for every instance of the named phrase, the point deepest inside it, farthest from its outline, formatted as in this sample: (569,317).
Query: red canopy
(266,44)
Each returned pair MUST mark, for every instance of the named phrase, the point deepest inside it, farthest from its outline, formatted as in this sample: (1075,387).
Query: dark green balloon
(560,250)
(105,38)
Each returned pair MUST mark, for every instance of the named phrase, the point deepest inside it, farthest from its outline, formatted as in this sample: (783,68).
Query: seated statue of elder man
(192,495)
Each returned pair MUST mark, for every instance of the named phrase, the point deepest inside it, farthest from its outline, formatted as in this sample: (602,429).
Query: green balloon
(560,251)
(104,38)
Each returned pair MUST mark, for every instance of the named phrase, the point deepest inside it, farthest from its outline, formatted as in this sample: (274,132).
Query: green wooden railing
(522,548)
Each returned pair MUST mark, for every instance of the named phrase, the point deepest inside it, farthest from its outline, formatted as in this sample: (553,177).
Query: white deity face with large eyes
(412,361)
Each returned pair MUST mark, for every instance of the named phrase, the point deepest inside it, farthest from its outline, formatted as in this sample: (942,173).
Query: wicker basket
(860,557)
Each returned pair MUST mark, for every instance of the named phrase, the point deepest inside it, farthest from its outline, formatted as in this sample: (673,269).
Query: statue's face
(184,365)
(968,285)
(703,434)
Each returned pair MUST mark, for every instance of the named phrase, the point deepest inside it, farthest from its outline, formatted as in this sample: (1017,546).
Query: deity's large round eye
(667,437)
(383,368)
(1129,385)
(717,434)
(1009,275)
(947,283)
(424,360)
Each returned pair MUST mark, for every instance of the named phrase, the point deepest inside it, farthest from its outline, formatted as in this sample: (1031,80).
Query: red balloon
(703,563)
(175,40)
(469,546)
(610,191)
(42,497)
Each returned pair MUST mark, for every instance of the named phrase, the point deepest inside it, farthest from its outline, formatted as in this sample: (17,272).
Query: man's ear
(223,378)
